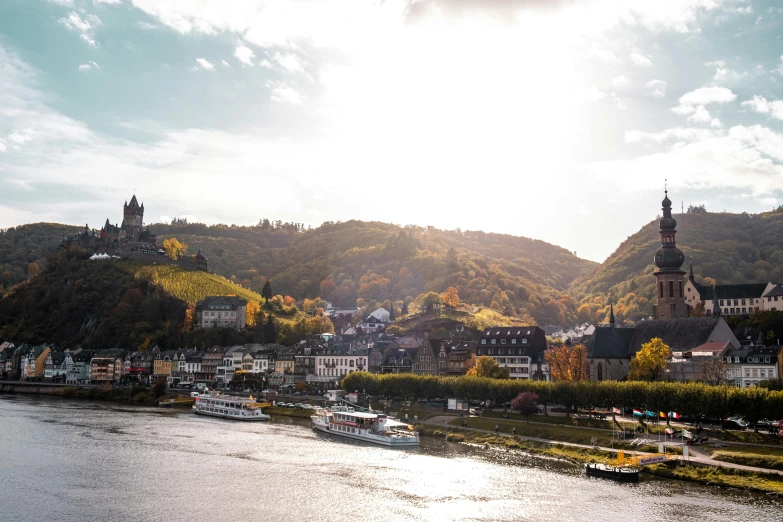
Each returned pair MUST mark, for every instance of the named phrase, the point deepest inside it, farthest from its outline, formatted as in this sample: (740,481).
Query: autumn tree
(567,363)
(450,298)
(174,248)
(526,403)
(190,317)
(33,270)
(712,370)
(428,301)
(252,311)
(650,361)
(145,346)
(698,310)
(266,292)
(488,367)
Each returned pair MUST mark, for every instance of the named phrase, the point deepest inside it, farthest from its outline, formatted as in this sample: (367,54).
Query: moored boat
(618,473)
(226,407)
(377,428)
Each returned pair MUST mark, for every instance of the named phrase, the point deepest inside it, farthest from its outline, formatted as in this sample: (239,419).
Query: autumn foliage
(567,363)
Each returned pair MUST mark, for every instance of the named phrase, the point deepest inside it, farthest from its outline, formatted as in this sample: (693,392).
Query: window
(721,302)
(743,310)
(736,302)
(524,341)
(483,341)
(671,288)
(493,341)
(680,285)
(743,302)
(660,290)
(502,341)
(514,341)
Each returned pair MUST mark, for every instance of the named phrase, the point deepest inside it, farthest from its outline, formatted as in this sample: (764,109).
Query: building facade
(518,348)
(221,312)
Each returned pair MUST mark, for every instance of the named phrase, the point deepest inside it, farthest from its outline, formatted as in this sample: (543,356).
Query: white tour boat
(226,407)
(369,427)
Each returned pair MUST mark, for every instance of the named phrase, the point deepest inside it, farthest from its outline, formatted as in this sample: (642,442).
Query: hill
(23,245)
(728,248)
(100,304)
(370,263)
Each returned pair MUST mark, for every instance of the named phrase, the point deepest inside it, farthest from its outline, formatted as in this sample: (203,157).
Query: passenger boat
(377,428)
(226,407)
(618,473)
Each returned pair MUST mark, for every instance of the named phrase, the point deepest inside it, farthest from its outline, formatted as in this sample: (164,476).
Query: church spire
(611,311)
(715,306)
(692,279)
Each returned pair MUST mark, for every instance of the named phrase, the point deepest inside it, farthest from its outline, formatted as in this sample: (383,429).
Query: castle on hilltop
(129,240)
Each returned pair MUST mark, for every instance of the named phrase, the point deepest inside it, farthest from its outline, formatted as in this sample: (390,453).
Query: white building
(221,312)
(740,299)
(747,366)
(333,366)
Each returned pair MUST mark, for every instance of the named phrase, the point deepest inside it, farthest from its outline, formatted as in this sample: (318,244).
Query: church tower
(133,218)
(669,274)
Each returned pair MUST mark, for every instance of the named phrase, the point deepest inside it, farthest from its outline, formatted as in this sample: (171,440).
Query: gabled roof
(739,291)
(610,343)
(57,358)
(777,291)
(680,334)
(111,353)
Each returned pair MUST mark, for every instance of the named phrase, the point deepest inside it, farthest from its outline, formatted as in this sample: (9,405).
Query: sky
(557,120)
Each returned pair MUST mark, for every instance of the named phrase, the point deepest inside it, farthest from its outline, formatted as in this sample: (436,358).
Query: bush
(67,392)
(158,389)
(140,397)
(455,437)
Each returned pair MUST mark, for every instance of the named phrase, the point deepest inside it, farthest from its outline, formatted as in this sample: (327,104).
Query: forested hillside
(726,248)
(24,250)
(368,262)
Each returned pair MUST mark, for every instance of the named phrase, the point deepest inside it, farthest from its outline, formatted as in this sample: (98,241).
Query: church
(611,347)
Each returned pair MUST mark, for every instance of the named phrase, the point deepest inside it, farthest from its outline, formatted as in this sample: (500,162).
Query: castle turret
(133,219)
(668,275)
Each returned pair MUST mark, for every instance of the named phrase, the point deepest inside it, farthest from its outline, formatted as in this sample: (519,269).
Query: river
(67,460)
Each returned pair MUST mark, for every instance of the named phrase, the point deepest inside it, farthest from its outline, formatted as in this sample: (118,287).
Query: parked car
(299,406)
(194,394)
(734,424)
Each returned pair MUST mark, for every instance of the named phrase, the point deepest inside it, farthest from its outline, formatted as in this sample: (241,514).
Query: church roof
(611,343)
(738,291)
(680,334)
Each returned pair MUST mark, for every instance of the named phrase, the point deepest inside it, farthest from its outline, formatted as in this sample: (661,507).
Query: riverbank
(698,472)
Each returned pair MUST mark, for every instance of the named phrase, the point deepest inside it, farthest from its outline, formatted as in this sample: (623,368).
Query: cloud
(656,88)
(288,61)
(724,74)
(84,26)
(285,94)
(779,68)
(640,60)
(89,65)
(204,64)
(113,2)
(146,26)
(620,80)
(2,146)
(694,102)
(225,63)
(761,105)
(244,54)
(64,3)
(678,134)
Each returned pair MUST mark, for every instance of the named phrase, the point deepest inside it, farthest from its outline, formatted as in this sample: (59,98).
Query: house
(209,365)
(398,360)
(382,315)
(286,360)
(335,362)
(225,311)
(164,365)
(426,360)
(372,324)
(739,299)
(56,366)
(80,369)
(193,360)
(518,348)
(749,365)
(13,367)
(611,348)
(409,341)
(232,361)
(3,361)
(34,361)
(138,366)
(106,366)
(460,359)
(687,365)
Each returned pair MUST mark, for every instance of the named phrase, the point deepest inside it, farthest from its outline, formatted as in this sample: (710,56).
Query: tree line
(687,399)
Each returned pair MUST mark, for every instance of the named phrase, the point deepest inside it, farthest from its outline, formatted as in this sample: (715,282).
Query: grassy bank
(288,412)
(750,459)
(139,396)
(759,482)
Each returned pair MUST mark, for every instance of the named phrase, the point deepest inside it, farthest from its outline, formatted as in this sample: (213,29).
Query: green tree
(650,361)
(270,330)
(266,292)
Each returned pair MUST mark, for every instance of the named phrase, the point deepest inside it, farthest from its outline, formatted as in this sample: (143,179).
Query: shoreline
(771,485)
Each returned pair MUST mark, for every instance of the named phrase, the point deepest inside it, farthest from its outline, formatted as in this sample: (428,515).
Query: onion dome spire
(669,258)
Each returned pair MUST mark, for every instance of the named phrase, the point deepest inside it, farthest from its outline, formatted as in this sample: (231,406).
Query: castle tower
(669,274)
(133,218)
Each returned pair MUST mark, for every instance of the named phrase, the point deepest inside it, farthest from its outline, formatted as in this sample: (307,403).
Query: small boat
(227,407)
(343,421)
(618,473)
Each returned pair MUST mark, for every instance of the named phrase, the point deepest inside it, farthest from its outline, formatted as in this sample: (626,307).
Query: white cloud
(2,146)
(288,61)
(89,65)
(640,60)
(602,53)
(761,105)
(700,115)
(723,75)
(20,137)
(146,26)
(716,63)
(204,64)
(677,134)
(64,3)
(114,2)
(285,94)
(225,63)
(84,26)
(620,80)
(694,102)
(656,88)
(244,54)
